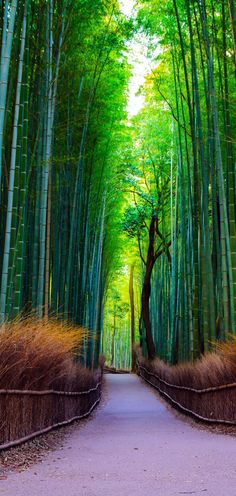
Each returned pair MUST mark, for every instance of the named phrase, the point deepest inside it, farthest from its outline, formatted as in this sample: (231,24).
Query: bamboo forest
(117,247)
(121,222)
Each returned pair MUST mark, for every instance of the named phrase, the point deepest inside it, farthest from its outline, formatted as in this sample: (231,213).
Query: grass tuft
(39,354)
(210,371)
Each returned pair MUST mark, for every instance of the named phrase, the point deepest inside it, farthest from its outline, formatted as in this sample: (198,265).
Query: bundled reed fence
(41,384)
(27,414)
(206,390)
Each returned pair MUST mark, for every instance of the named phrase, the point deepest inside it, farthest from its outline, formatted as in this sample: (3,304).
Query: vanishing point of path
(133,446)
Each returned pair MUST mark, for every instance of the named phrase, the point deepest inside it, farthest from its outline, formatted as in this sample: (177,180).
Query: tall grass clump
(210,383)
(211,370)
(40,354)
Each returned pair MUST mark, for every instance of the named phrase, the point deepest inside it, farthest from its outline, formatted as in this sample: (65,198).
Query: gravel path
(134,446)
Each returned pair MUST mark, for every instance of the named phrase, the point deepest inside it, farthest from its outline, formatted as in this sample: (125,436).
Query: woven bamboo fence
(27,414)
(213,404)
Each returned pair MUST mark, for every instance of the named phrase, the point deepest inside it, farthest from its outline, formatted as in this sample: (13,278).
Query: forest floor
(133,445)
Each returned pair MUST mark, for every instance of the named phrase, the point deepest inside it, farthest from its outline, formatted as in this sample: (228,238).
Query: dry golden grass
(39,354)
(211,370)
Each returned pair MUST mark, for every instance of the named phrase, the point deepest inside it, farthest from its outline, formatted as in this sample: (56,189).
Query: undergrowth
(212,369)
(40,354)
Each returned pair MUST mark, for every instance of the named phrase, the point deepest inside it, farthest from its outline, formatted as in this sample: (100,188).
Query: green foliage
(76,74)
(134,221)
(81,190)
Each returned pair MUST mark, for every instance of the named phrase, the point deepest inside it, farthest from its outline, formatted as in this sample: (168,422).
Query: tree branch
(140,251)
(163,240)
(160,252)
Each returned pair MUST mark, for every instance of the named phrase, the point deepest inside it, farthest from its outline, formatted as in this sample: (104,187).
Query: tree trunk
(113,341)
(145,313)
(132,314)
(146,290)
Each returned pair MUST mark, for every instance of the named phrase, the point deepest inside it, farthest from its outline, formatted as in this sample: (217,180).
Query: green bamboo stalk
(228,297)
(5,267)
(7,39)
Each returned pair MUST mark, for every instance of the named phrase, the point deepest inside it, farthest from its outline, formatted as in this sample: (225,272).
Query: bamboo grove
(125,226)
(180,178)
(62,103)
(183,179)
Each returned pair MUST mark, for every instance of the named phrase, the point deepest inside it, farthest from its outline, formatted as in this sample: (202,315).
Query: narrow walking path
(133,446)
